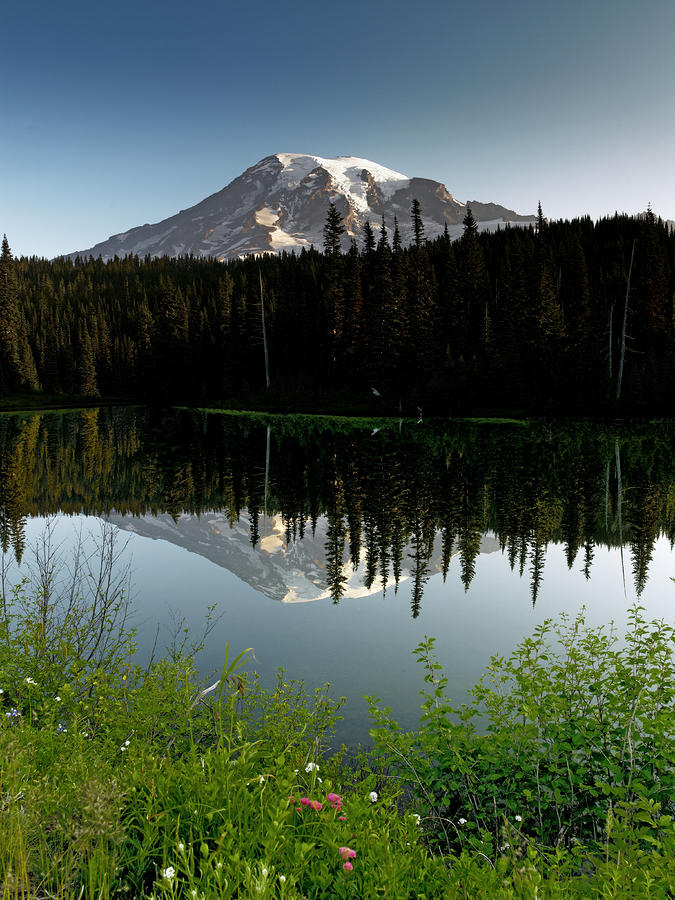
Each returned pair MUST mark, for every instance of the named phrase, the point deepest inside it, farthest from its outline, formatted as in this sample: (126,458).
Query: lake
(334,546)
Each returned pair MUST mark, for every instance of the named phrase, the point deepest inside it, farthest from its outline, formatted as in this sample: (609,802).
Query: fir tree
(10,378)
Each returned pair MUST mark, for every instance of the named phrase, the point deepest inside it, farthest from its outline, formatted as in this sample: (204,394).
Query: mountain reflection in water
(310,508)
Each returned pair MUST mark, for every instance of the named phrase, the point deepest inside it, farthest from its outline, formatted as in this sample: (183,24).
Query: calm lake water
(334,546)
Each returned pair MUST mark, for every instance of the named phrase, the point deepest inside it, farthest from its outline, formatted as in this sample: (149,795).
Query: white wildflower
(373,796)
(57,698)
(30,681)
(461,821)
(417,818)
(181,846)
(518,818)
(264,873)
(311,767)
(169,873)
(282,878)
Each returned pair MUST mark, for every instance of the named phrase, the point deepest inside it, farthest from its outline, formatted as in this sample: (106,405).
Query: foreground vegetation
(556,780)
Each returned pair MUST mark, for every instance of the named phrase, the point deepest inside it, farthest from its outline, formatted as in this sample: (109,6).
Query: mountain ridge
(280,204)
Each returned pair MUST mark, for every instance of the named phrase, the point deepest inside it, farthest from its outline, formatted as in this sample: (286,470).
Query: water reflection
(323,508)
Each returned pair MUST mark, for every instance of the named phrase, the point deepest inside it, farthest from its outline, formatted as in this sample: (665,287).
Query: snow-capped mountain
(292,572)
(281,203)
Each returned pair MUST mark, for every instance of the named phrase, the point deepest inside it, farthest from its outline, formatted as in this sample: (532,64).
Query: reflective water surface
(334,546)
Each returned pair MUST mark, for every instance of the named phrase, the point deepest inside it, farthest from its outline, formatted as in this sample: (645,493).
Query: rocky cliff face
(281,203)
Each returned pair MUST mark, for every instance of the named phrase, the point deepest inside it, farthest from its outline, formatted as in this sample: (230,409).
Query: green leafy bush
(573,722)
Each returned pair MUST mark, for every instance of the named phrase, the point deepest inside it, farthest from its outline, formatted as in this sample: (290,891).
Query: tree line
(567,316)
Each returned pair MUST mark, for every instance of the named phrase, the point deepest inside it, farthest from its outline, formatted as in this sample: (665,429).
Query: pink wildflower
(347,853)
(348,867)
(298,809)
(316,805)
(305,801)
(334,798)
(342,818)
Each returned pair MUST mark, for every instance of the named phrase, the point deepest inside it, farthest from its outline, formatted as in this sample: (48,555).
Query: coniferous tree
(475,294)
(10,378)
(333,288)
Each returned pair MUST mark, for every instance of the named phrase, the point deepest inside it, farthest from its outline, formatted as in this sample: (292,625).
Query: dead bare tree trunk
(623,327)
(264,333)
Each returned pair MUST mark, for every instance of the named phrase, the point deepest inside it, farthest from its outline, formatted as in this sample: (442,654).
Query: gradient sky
(113,115)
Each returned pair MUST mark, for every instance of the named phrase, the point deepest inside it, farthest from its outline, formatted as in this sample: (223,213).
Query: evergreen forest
(568,317)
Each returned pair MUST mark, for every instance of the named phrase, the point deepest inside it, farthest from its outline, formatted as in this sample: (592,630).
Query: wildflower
(219,865)
(311,767)
(1,691)
(262,779)
(13,714)
(373,796)
(347,853)
(305,801)
(518,818)
(181,846)
(417,819)
(57,698)
(282,879)
(348,867)
(169,873)
(30,681)
(333,798)
(264,873)
(342,818)
(193,892)
(60,728)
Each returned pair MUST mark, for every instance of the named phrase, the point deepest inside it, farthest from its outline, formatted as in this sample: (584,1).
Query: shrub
(574,722)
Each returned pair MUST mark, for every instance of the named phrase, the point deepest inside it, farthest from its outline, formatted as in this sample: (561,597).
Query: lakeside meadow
(555,780)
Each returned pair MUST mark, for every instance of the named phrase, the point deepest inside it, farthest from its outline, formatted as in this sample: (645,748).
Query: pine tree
(474,286)
(10,378)
(417,224)
(333,287)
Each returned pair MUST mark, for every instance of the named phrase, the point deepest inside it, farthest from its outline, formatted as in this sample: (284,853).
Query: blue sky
(119,114)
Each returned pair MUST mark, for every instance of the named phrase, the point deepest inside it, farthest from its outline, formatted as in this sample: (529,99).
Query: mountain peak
(280,203)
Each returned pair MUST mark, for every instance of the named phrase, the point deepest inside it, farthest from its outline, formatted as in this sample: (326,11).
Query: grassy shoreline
(119,781)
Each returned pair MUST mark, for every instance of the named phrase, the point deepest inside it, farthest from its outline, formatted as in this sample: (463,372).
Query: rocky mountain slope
(292,572)
(280,203)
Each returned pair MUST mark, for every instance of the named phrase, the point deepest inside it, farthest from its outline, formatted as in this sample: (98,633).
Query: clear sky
(113,115)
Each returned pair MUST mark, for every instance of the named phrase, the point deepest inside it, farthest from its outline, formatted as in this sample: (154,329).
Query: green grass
(121,781)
